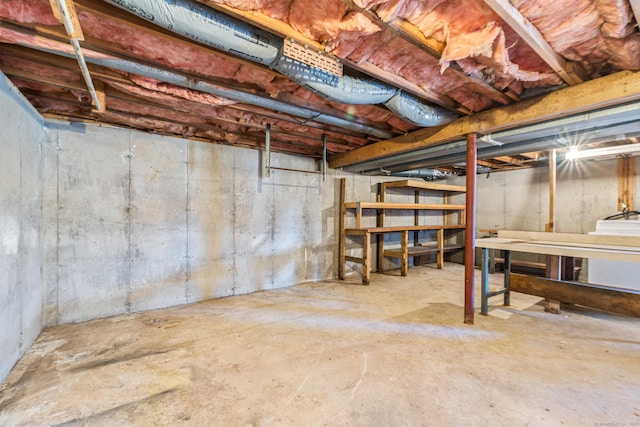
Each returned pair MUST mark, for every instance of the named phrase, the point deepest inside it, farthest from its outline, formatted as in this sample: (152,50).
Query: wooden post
(550,227)
(470,229)
(440,253)
(625,183)
(342,235)
(553,262)
(404,265)
(382,188)
(366,254)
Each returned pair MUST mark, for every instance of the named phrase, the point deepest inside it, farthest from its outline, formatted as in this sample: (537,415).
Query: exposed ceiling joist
(509,160)
(532,36)
(606,91)
(413,35)
(285,30)
(635,6)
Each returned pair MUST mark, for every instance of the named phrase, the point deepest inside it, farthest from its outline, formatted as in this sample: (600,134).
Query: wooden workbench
(619,248)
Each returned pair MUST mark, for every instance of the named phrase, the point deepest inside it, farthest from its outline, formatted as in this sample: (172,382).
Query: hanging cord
(626,213)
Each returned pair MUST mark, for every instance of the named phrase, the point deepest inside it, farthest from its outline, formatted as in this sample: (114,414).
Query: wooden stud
(470,230)
(102,99)
(382,187)
(550,226)
(533,38)
(440,253)
(366,255)
(342,236)
(73,17)
(404,265)
(625,183)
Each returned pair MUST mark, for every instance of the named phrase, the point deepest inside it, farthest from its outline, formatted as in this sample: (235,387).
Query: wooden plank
(532,37)
(602,252)
(342,237)
(616,300)
(102,99)
(420,250)
(574,238)
(606,91)
(357,260)
(406,206)
(76,31)
(423,185)
(396,228)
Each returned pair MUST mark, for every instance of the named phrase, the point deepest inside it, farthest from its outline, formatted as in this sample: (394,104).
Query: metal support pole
(470,229)
(267,155)
(507,277)
(324,158)
(484,287)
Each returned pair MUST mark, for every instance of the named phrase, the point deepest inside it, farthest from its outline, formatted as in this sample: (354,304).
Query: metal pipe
(205,25)
(324,158)
(294,170)
(236,95)
(267,158)
(470,227)
(68,25)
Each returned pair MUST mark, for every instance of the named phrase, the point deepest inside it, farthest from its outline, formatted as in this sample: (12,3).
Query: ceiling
(391,85)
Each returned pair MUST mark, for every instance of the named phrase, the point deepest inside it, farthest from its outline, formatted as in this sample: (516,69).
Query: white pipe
(236,95)
(68,25)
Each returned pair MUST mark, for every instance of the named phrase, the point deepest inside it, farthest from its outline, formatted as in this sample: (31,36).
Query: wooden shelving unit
(383,208)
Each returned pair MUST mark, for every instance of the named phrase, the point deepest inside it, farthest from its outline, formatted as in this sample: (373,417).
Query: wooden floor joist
(615,300)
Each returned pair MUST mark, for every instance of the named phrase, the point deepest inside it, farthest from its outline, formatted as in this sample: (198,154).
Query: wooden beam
(509,159)
(488,164)
(531,156)
(412,34)
(625,183)
(285,30)
(615,300)
(606,91)
(635,6)
(470,229)
(533,38)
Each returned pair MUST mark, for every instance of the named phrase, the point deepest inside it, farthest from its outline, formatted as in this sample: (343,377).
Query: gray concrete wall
(21,287)
(586,191)
(138,221)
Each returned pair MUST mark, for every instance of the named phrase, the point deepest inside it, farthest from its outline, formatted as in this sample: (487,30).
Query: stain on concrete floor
(395,353)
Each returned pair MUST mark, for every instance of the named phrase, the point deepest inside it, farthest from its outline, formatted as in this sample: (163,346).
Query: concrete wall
(138,221)
(586,191)
(21,288)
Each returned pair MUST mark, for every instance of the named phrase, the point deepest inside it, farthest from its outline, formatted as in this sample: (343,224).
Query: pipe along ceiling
(215,29)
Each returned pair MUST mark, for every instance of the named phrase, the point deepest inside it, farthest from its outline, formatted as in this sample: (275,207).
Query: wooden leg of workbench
(404,266)
(366,255)
(440,254)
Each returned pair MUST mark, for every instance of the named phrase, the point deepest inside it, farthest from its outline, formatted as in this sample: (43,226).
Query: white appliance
(621,274)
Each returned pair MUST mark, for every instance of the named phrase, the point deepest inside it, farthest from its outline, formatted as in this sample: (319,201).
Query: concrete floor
(335,353)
